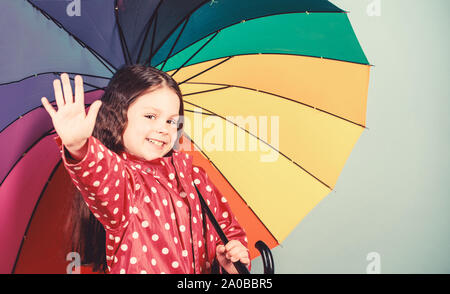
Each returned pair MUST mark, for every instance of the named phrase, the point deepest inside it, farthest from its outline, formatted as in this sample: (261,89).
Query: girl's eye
(172,122)
(150,116)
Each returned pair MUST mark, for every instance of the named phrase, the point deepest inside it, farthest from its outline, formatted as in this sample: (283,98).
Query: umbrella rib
(123,43)
(40,106)
(175,43)
(281,153)
(209,68)
(89,84)
(153,35)
(172,31)
(225,86)
(50,132)
(55,73)
(32,214)
(82,74)
(95,53)
(268,15)
(193,55)
(204,113)
(153,19)
(25,152)
(211,162)
(205,91)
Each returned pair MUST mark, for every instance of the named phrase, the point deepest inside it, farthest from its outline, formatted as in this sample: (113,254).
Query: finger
(67,88)
(244,254)
(58,94)
(232,244)
(235,252)
(93,112)
(242,257)
(239,256)
(51,111)
(220,249)
(245,260)
(79,91)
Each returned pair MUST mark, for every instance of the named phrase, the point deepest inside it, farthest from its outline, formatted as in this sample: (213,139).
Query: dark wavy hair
(127,84)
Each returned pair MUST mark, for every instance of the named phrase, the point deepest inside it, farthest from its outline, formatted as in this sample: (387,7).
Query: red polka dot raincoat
(150,210)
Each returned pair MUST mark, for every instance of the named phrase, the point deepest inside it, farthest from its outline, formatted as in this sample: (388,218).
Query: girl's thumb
(93,111)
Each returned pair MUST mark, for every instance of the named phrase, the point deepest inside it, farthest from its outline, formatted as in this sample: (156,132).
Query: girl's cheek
(173,140)
(150,125)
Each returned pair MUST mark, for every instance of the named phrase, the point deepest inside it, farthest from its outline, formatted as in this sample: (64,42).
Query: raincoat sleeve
(103,181)
(221,209)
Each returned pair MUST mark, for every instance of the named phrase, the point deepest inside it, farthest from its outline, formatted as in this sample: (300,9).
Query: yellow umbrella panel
(279,138)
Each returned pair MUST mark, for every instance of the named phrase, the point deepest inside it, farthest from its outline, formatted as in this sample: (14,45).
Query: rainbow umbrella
(275,97)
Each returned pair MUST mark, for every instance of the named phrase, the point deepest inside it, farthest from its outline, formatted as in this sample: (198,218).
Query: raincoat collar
(168,160)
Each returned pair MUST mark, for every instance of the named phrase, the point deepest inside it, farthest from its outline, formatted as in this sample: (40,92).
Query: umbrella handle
(266,256)
(242,269)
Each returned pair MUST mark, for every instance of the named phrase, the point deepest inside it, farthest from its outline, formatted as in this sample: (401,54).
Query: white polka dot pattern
(145,208)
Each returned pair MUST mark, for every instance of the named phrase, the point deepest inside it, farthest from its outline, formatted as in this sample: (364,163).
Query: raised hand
(70,121)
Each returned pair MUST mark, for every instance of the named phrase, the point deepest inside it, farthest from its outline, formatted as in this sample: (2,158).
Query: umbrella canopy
(275,98)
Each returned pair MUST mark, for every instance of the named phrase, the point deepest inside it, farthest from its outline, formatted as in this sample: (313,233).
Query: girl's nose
(162,131)
(162,128)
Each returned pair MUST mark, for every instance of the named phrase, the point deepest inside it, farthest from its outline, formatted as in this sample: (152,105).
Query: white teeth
(155,142)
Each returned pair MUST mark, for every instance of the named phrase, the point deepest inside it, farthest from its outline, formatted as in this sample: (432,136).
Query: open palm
(70,121)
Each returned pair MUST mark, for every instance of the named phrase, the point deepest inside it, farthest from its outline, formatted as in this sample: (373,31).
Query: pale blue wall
(393,194)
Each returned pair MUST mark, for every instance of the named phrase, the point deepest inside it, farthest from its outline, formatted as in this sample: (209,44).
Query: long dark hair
(127,84)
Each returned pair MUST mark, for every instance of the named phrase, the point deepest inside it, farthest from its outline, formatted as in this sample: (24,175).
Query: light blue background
(392,196)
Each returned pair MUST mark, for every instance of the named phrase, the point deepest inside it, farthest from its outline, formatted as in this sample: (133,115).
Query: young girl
(122,157)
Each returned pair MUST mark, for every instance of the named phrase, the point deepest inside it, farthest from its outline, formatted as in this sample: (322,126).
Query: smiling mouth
(156,142)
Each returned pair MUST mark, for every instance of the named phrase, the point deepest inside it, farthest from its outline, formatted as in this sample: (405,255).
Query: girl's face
(151,130)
